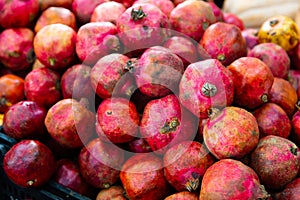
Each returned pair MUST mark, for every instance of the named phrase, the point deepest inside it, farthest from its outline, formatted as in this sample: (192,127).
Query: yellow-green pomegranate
(280,30)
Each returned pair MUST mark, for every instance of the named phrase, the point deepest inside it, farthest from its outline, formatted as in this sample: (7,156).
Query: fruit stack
(149,100)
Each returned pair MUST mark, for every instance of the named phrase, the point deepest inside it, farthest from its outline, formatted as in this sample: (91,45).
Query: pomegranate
(55,15)
(142,26)
(276,161)
(95,40)
(113,193)
(184,48)
(275,57)
(68,175)
(223,46)
(295,121)
(18,13)
(109,126)
(206,84)
(165,123)
(96,167)
(70,123)
(138,145)
(291,191)
(83,9)
(142,176)
(192,18)
(29,163)
(25,119)
(253,80)
(184,195)
(100,13)
(231,133)
(42,85)
(231,18)
(16,48)
(250,36)
(11,91)
(217,11)
(54,46)
(284,94)
(55,3)
(166,6)
(272,120)
(231,179)
(106,74)
(185,164)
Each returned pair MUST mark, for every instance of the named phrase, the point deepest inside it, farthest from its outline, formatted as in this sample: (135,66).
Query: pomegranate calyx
(137,14)
(170,126)
(209,90)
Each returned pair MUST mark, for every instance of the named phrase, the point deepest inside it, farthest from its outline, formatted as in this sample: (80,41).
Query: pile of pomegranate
(150,100)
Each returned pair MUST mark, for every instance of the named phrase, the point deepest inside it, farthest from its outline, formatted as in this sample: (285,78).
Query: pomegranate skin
(54,46)
(192,18)
(223,46)
(206,84)
(184,195)
(158,72)
(70,123)
(100,13)
(138,145)
(16,48)
(230,179)
(295,121)
(253,81)
(96,167)
(250,36)
(18,13)
(42,85)
(276,161)
(143,178)
(231,133)
(217,11)
(291,191)
(272,120)
(165,123)
(68,175)
(25,119)
(29,163)
(275,57)
(115,192)
(95,40)
(166,6)
(231,18)
(185,164)
(109,127)
(143,32)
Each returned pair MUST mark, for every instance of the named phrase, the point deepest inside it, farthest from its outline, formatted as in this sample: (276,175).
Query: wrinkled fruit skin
(29,163)
(275,57)
(106,74)
(185,164)
(68,175)
(55,15)
(232,133)
(112,193)
(96,167)
(42,85)
(284,94)
(11,91)
(151,30)
(18,13)
(83,9)
(206,84)
(143,178)
(109,127)
(158,72)
(70,123)
(16,48)
(184,48)
(192,18)
(100,13)
(253,80)
(75,83)
(276,161)
(54,49)
(165,123)
(272,120)
(95,40)
(25,119)
(223,46)
(291,191)
(230,179)
(184,195)
(280,30)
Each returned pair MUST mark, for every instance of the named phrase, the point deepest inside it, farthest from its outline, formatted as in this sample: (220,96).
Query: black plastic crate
(10,191)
